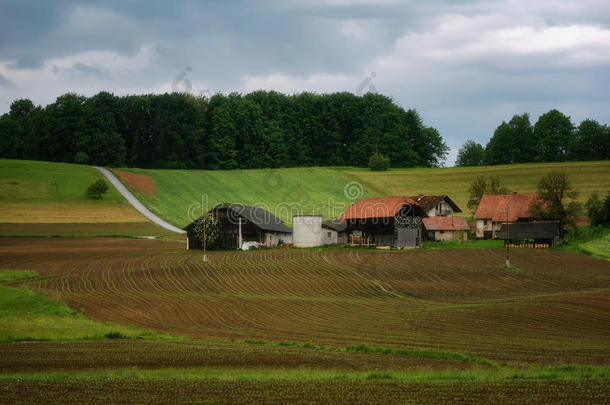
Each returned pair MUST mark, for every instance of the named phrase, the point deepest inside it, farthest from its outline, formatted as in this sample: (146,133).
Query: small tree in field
(598,210)
(553,190)
(212,229)
(96,189)
(484,185)
(379,162)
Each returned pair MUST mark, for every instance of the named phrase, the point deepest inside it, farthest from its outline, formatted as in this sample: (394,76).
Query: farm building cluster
(386,222)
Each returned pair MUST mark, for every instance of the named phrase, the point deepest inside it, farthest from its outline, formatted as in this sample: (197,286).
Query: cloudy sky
(465,66)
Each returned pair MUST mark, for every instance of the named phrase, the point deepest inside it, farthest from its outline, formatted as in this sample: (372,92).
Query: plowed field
(554,309)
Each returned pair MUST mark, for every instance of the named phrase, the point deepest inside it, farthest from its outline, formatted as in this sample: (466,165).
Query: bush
(96,189)
(379,162)
(115,335)
(81,158)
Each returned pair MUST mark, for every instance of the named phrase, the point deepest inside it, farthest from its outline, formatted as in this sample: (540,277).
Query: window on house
(329,234)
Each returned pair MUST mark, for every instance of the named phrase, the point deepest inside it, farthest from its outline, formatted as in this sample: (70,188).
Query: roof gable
(427,202)
(384,207)
(494,207)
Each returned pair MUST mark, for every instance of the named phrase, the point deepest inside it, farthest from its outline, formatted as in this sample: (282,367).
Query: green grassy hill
(46,198)
(176,194)
(45,192)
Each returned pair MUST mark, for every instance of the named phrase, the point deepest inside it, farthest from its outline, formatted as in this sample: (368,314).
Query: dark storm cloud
(465,65)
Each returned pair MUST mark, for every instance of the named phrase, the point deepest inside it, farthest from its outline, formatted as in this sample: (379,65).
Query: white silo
(307,230)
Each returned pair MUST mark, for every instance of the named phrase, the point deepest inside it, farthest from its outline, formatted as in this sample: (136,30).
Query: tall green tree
(512,142)
(553,133)
(591,141)
(484,185)
(470,154)
(556,198)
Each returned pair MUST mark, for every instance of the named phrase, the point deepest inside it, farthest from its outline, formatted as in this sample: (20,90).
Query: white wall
(307,230)
(272,239)
(329,237)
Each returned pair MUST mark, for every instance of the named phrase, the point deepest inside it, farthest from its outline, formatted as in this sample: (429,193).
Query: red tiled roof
(384,207)
(493,206)
(446,224)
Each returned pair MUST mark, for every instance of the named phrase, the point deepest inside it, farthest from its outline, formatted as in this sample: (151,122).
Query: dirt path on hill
(135,203)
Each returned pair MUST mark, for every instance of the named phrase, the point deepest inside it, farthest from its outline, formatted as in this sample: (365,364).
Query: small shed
(531,234)
(446,228)
(242,223)
(334,232)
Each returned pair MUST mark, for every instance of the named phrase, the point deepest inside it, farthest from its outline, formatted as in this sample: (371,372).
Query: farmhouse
(437,205)
(531,234)
(385,222)
(446,228)
(241,223)
(497,209)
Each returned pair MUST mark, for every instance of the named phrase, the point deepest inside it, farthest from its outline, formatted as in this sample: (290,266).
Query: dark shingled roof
(258,216)
(427,202)
(339,225)
(531,230)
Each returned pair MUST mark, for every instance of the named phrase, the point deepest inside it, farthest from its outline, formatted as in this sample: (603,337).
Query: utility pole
(507,237)
(205,225)
(240,236)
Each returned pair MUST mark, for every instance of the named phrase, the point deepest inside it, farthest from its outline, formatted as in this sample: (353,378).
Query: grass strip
(422,353)
(561,372)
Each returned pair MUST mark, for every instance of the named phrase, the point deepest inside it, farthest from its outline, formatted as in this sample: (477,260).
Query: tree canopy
(470,154)
(553,138)
(556,198)
(226,131)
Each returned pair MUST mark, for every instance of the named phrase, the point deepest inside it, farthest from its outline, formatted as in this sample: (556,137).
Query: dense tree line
(553,138)
(256,130)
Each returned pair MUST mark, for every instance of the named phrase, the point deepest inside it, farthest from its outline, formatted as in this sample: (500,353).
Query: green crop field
(175,194)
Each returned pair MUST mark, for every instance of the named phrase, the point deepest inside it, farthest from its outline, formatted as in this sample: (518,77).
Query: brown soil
(156,391)
(138,182)
(554,309)
(45,357)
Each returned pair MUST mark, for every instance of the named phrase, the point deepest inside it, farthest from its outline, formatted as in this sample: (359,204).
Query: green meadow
(315,189)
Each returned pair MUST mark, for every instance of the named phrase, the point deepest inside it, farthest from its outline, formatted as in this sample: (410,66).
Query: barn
(385,222)
(241,223)
(531,234)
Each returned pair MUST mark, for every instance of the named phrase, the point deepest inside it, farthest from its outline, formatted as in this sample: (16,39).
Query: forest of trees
(553,138)
(257,130)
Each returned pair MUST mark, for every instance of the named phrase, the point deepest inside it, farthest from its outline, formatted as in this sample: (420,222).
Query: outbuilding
(385,222)
(446,228)
(241,223)
(531,234)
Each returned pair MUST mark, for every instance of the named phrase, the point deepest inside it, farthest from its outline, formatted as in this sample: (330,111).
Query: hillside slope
(176,195)
(49,199)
